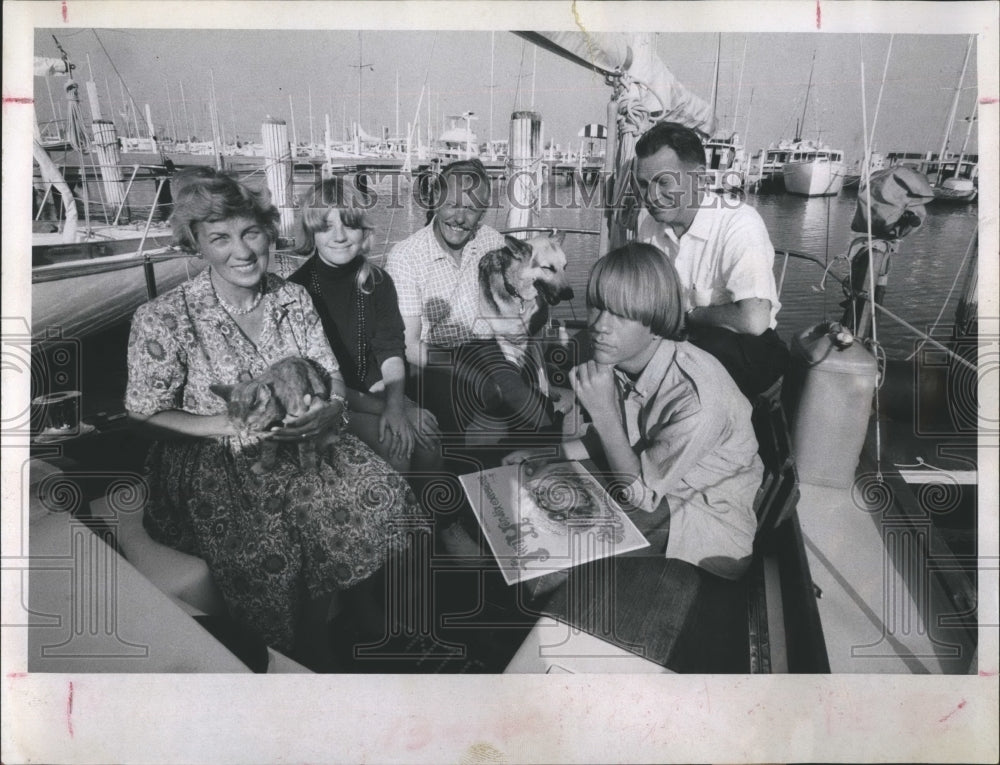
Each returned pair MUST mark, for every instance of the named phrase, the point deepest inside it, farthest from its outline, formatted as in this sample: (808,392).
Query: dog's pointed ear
(488,264)
(558,237)
(518,247)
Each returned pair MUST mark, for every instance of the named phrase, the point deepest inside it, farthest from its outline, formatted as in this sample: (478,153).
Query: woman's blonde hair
(204,195)
(638,282)
(352,203)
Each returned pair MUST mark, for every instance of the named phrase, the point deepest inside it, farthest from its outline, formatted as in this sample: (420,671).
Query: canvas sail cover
(896,197)
(661,94)
(49,67)
(645,93)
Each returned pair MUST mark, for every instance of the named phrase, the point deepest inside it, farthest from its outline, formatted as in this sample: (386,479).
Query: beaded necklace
(233,310)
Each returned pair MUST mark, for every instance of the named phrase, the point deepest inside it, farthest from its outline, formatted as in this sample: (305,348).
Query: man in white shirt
(722,252)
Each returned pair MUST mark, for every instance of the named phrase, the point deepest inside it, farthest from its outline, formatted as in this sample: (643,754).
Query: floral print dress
(273,539)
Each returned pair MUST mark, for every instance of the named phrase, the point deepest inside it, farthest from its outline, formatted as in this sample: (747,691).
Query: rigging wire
(871,270)
(121,79)
(520,75)
(131,98)
(826,257)
(866,168)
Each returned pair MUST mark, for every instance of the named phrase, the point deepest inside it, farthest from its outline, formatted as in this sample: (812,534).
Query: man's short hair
(471,176)
(638,282)
(685,142)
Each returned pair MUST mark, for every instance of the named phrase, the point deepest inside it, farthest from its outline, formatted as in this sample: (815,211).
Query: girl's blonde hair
(353,204)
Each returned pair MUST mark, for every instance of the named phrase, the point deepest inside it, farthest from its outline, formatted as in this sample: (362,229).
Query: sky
(762,81)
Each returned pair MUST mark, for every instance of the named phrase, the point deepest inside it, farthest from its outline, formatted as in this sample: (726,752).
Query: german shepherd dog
(504,371)
(518,283)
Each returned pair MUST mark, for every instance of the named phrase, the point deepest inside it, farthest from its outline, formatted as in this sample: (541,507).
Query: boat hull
(956,191)
(81,299)
(771,183)
(814,179)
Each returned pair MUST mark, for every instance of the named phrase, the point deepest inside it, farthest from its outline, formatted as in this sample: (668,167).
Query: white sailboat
(954,178)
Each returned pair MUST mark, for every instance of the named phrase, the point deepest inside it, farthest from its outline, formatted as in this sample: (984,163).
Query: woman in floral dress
(280,543)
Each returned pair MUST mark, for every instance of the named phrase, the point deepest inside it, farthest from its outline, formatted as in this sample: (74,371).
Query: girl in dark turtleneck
(357,304)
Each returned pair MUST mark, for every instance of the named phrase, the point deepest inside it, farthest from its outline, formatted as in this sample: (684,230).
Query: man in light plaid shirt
(436,269)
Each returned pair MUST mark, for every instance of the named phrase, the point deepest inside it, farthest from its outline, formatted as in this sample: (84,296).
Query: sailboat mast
(361,64)
(232,118)
(492,86)
(746,141)
(715,77)
(312,139)
(968,135)
(187,117)
(739,88)
(214,116)
(954,107)
(800,125)
(397,103)
(534,66)
(170,107)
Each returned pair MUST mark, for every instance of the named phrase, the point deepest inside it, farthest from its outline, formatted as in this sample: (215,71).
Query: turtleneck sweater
(364,330)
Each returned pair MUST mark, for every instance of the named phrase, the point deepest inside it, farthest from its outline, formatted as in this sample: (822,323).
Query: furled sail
(49,67)
(645,93)
(655,88)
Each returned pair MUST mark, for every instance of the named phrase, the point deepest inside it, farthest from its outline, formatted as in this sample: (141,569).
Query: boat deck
(871,624)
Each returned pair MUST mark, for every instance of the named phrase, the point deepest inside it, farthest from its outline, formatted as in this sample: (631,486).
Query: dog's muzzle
(553,295)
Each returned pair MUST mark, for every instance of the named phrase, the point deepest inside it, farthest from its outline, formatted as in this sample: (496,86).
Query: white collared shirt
(725,255)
